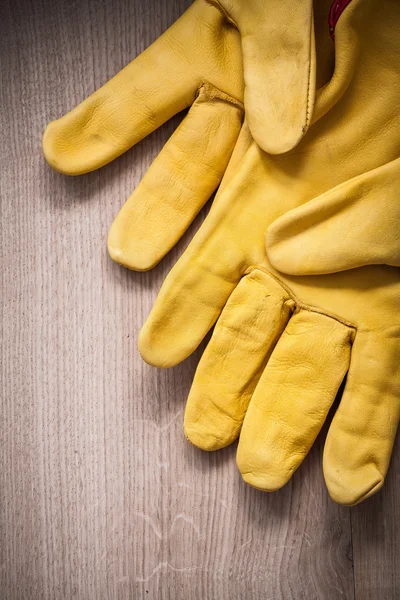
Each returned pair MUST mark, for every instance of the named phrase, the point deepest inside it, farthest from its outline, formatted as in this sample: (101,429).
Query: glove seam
(300,305)
(223,11)
(308,111)
(305,127)
(213,93)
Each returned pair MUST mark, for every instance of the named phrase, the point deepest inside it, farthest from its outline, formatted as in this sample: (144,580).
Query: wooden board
(101,497)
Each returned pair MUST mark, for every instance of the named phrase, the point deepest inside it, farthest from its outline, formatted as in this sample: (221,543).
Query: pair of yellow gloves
(297,263)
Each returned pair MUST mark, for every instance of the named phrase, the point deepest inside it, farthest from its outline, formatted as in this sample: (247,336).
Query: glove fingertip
(265,482)
(49,145)
(153,352)
(350,488)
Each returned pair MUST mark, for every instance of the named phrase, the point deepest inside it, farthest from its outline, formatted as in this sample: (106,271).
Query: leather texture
(293,267)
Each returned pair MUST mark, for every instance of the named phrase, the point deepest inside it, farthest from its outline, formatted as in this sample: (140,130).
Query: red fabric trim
(337,8)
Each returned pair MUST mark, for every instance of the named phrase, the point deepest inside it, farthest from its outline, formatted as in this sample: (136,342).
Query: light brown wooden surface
(101,497)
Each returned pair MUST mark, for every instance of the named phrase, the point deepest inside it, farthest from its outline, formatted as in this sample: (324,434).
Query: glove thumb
(353,225)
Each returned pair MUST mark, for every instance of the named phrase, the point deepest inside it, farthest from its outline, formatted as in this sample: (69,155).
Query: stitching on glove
(308,111)
(300,305)
(209,92)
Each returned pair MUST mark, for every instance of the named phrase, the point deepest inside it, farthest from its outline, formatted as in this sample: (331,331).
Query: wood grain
(101,497)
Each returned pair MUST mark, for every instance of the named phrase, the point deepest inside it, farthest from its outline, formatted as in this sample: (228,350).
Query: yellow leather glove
(284,95)
(297,264)
(196,64)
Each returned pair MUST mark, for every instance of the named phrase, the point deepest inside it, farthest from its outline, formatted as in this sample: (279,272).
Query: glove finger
(279,69)
(359,217)
(178,183)
(361,436)
(159,83)
(293,398)
(243,339)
